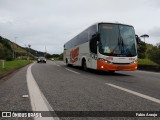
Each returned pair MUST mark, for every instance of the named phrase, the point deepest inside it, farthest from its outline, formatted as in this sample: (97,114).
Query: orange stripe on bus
(101,65)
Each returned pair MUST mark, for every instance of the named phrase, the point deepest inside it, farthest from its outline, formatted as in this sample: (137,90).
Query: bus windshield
(117,40)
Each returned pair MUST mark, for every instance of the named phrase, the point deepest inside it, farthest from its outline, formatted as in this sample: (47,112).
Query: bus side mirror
(137,39)
(64,47)
(93,43)
(96,37)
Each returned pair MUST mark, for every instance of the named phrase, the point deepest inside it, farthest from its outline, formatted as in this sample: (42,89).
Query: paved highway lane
(12,91)
(54,86)
(71,89)
(144,82)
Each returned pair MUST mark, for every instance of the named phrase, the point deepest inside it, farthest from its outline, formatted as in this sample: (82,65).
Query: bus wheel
(111,71)
(84,65)
(67,63)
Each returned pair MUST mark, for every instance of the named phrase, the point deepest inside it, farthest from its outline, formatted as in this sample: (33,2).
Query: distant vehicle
(103,46)
(52,59)
(41,59)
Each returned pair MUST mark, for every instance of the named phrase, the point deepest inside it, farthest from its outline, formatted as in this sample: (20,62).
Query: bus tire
(67,63)
(84,65)
(111,71)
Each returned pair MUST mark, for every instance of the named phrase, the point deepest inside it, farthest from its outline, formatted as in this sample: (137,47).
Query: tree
(142,49)
(61,56)
(144,36)
(158,45)
(154,54)
(2,52)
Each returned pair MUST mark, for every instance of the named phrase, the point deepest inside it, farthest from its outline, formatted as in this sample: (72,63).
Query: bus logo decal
(74,55)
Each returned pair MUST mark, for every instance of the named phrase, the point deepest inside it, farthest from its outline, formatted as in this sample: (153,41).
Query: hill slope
(10,50)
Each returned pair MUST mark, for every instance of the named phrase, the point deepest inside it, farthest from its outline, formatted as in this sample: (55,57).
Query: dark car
(41,59)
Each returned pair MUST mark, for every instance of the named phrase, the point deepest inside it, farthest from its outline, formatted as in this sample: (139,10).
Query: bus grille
(121,63)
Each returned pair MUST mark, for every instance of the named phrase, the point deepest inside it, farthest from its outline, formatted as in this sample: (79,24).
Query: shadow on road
(99,72)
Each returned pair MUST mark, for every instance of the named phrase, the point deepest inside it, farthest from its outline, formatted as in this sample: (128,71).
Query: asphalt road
(71,89)
(12,89)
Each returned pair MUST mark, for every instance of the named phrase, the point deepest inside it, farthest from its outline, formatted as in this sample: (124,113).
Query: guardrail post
(3,64)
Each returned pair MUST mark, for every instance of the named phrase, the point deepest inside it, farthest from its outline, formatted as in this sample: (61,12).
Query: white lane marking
(25,96)
(135,93)
(56,64)
(38,101)
(72,71)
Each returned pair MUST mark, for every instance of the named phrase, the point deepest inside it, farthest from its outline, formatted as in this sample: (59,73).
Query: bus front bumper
(102,65)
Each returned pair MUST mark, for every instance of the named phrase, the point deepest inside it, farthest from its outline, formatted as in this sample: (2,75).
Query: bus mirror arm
(98,36)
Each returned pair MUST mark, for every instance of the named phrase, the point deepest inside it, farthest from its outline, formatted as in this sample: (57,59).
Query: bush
(142,49)
(61,56)
(146,62)
(9,58)
(154,54)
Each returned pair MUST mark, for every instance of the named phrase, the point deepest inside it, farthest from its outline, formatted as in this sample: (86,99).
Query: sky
(52,23)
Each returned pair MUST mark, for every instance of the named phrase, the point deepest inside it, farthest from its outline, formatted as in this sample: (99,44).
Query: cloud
(54,22)
(154,3)
(155,32)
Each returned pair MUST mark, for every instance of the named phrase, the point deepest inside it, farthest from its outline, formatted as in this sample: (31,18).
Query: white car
(41,59)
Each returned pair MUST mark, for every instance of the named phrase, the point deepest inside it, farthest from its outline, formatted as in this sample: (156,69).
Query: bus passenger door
(94,61)
(93,49)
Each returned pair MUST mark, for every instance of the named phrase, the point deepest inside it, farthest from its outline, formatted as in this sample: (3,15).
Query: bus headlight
(133,62)
(102,59)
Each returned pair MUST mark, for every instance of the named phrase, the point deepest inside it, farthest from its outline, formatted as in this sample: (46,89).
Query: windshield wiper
(118,45)
(122,45)
(123,51)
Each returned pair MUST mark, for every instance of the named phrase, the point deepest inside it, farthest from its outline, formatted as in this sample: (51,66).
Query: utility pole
(15,48)
(29,51)
(45,52)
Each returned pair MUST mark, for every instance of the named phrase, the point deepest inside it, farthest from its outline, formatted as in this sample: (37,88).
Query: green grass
(9,65)
(146,62)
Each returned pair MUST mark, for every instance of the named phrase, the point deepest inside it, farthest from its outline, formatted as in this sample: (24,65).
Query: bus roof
(96,23)
(111,23)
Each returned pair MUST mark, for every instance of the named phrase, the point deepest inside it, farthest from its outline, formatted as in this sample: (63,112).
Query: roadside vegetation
(16,56)
(10,65)
(56,57)
(148,54)
(11,51)
(146,62)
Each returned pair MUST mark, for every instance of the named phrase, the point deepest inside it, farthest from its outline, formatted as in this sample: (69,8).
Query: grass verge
(146,62)
(10,65)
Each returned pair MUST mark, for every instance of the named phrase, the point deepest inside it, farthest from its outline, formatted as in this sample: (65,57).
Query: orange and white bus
(103,46)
